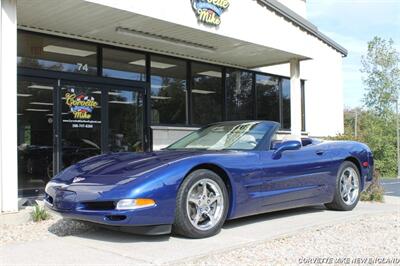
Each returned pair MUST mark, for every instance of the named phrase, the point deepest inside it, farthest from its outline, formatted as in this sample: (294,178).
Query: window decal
(80,105)
(81,108)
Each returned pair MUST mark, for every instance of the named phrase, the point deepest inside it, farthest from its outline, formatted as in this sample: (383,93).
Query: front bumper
(74,205)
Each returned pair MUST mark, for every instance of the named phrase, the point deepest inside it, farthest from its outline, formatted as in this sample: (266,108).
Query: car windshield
(225,136)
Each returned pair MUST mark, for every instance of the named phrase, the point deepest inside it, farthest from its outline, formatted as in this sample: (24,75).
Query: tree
(376,122)
(381,66)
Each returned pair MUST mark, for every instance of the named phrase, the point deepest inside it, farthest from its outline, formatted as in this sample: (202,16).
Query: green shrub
(39,214)
(374,192)
(378,134)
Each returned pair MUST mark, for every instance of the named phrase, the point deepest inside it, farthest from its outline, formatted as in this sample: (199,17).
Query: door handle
(320,152)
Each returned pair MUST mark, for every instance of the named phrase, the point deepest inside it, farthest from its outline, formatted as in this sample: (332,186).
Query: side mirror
(289,145)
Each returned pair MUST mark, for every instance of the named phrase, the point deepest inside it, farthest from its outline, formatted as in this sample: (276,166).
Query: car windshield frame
(240,135)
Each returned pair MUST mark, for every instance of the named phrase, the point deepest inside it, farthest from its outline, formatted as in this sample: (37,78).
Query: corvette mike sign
(81,109)
(210,11)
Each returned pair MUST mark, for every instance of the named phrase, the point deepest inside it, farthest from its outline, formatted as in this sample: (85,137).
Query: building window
(267,91)
(35,135)
(58,54)
(286,122)
(168,91)
(206,94)
(240,97)
(124,64)
(303,106)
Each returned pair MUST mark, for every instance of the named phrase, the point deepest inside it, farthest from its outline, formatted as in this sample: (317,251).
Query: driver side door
(298,177)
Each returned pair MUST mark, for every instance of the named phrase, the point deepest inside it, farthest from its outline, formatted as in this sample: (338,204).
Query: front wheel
(347,193)
(202,205)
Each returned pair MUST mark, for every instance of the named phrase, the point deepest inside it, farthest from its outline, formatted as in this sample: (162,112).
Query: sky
(352,23)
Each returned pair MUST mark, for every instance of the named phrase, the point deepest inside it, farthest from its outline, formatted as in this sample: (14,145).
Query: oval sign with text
(210,11)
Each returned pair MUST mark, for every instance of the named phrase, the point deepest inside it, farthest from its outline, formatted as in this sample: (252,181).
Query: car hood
(114,167)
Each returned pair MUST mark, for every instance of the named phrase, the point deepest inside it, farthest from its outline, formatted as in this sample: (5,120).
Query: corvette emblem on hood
(78,179)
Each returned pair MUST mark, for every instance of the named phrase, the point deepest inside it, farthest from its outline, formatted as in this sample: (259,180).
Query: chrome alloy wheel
(349,184)
(205,204)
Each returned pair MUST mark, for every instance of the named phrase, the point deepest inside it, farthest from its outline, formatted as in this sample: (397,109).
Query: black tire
(182,224)
(338,202)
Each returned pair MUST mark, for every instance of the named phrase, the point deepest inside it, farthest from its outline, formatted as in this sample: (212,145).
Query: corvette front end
(115,196)
(136,214)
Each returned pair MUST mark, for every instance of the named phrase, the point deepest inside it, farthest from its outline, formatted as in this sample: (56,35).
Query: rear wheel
(202,205)
(347,193)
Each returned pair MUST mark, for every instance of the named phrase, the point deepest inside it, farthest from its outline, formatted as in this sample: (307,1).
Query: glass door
(35,134)
(125,120)
(97,119)
(81,123)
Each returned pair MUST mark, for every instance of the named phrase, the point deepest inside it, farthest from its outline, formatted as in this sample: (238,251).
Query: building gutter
(303,23)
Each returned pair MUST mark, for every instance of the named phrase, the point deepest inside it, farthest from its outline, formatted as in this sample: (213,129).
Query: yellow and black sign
(81,106)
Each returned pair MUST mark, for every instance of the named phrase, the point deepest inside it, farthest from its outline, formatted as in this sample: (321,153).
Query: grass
(388,177)
(39,214)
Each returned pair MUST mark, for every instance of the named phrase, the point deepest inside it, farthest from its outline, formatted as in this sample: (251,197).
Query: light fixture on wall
(109,93)
(37,110)
(67,51)
(40,87)
(154,64)
(41,103)
(165,39)
(122,102)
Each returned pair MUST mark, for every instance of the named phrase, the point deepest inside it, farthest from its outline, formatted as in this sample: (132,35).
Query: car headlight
(133,204)
(54,184)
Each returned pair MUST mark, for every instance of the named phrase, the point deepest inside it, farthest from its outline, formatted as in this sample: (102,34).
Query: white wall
(8,107)
(324,93)
(245,20)
(323,90)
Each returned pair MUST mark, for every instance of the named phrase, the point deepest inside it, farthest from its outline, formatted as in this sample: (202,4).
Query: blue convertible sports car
(222,171)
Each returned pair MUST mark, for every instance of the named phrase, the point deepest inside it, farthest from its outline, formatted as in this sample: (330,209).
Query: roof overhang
(100,23)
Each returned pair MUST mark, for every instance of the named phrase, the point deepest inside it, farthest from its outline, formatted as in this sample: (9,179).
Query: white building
(78,78)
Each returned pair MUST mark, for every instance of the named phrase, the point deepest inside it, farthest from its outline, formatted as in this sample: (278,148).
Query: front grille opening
(98,205)
(115,218)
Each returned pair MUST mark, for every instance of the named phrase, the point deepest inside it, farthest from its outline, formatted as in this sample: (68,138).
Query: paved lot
(392,187)
(109,247)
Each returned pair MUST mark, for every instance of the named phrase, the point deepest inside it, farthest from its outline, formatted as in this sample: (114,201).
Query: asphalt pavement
(391,186)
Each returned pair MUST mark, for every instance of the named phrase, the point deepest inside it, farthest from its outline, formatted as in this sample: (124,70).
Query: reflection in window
(58,54)
(267,97)
(168,90)
(206,94)
(124,64)
(286,104)
(126,123)
(240,96)
(35,136)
